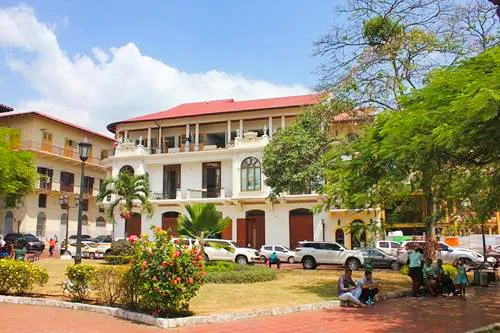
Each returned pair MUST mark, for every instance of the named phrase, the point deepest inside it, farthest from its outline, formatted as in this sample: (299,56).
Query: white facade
(266,223)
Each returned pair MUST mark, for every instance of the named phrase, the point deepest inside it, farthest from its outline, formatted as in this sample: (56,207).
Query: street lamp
(64,202)
(83,149)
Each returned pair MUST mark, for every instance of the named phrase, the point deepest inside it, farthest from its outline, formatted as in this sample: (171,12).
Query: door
(133,225)
(281,252)
(331,253)
(255,231)
(228,232)
(211,179)
(169,222)
(8,226)
(300,226)
(171,180)
(47,141)
(241,232)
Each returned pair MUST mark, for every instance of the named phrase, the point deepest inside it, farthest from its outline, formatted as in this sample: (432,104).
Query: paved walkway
(408,315)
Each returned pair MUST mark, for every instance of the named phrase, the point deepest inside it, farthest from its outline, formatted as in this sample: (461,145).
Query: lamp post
(83,149)
(64,202)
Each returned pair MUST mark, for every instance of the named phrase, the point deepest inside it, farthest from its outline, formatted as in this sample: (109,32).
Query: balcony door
(47,141)
(171,180)
(211,179)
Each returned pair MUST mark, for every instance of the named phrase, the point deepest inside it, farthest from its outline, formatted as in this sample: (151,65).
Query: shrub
(79,283)
(130,288)
(118,260)
(107,283)
(450,270)
(219,266)
(122,247)
(241,274)
(169,273)
(405,270)
(20,276)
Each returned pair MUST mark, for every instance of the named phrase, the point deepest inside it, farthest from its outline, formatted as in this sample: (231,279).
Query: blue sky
(265,41)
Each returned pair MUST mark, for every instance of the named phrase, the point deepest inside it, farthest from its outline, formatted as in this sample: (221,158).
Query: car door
(445,253)
(394,248)
(281,252)
(227,251)
(378,258)
(214,250)
(333,254)
(266,251)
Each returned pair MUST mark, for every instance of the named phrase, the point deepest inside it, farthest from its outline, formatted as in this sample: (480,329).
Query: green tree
(201,221)
(442,146)
(126,191)
(17,171)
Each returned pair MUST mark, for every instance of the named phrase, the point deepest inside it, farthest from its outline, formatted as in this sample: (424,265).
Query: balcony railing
(44,185)
(67,187)
(191,194)
(66,152)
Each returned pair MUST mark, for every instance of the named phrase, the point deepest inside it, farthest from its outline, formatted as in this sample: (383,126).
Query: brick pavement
(408,315)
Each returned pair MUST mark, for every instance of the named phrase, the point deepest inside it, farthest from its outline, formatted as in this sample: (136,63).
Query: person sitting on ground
(415,264)
(273,259)
(369,288)
(348,290)
(430,277)
(445,283)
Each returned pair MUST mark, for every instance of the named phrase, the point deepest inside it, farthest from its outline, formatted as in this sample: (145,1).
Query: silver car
(284,254)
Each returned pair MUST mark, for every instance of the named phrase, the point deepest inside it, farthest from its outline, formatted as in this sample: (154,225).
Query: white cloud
(114,84)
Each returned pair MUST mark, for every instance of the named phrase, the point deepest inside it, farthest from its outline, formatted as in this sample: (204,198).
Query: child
(461,280)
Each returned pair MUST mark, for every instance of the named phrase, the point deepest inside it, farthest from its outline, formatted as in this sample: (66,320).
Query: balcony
(45,185)
(192,194)
(54,150)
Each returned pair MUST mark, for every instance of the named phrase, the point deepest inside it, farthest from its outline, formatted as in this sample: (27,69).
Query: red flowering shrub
(169,274)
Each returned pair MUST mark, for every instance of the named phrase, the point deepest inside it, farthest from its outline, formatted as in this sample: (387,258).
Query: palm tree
(202,221)
(126,191)
(370,230)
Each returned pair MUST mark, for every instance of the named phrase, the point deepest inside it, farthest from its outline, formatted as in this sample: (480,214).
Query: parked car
(226,250)
(284,254)
(25,241)
(446,253)
(84,237)
(313,254)
(494,252)
(104,241)
(380,259)
(90,250)
(389,247)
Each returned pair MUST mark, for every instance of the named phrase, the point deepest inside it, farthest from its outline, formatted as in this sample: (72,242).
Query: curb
(180,322)
(485,328)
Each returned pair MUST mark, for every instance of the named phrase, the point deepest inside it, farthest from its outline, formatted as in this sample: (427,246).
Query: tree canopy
(17,171)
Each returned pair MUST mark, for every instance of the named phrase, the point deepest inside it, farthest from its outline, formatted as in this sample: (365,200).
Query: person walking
(415,264)
(52,246)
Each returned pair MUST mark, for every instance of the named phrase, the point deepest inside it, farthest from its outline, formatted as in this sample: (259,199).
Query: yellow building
(54,144)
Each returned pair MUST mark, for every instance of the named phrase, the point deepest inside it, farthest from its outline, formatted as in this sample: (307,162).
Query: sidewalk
(406,315)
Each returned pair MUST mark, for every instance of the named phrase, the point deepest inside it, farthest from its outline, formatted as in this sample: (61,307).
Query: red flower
(144,264)
(204,273)
(174,282)
(176,241)
(190,280)
(171,263)
(164,264)
(177,254)
(178,279)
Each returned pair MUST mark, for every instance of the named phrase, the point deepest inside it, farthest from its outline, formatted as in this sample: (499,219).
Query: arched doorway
(169,222)
(339,236)
(41,221)
(133,225)
(100,225)
(301,226)
(85,225)
(252,229)
(128,169)
(358,235)
(63,226)
(8,225)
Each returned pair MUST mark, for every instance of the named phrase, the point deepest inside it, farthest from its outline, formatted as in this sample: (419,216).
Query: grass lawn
(293,286)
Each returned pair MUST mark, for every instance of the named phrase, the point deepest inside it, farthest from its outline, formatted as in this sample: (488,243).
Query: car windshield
(234,244)
(30,238)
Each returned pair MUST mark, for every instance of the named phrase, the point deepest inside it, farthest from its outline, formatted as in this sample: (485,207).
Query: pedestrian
(52,245)
(445,283)
(348,290)
(273,259)
(369,288)
(430,277)
(415,264)
(461,281)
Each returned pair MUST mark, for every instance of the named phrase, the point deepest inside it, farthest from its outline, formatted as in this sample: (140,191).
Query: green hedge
(238,274)
(118,260)
(219,266)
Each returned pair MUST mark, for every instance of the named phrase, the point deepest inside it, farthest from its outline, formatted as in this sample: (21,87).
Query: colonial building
(212,152)
(53,143)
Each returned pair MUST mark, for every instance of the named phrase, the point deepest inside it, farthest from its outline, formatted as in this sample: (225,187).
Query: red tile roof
(224,106)
(43,115)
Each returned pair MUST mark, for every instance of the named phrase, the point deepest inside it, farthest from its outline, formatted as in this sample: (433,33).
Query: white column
(160,143)
(149,137)
(228,131)
(270,127)
(282,121)
(196,137)
(241,127)
(186,148)
(126,136)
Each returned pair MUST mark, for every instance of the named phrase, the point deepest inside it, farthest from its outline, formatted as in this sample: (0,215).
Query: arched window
(339,236)
(358,234)
(8,226)
(128,169)
(41,221)
(250,174)
(100,222)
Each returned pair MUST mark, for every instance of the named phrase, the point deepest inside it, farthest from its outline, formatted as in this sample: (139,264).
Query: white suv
(446,253)
(312,254)
(226,250)
(389,247)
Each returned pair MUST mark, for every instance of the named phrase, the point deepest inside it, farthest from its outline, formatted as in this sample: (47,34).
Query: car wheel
(263,259)
(241,260)
(291,260)
(353,264)
(309,263)
(394,265)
